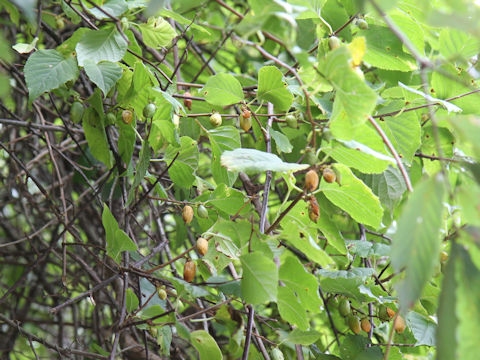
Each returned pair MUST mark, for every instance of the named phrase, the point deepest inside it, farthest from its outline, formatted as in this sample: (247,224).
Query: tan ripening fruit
(354,324)
(202,246)
(399,325)
(311,180)
(187,102)
(189,271)
(365,324)
(187,214)
(127,116)
(313,209)
(329,175)
(390,313)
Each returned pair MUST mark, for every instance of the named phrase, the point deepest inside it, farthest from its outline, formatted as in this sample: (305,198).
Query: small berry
(162,294)
(399,325)
(186,101)
(149,110)
(291,121)
(202,246)
(354,324)
(311,180)
(189,271)
(334,42)
(216,119)
(202,212)
(329,175)
(365,324)
(187,214)
(127,116)
(245,123)
(344,307)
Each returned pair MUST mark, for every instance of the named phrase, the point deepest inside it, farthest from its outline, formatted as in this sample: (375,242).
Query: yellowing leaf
(357,48)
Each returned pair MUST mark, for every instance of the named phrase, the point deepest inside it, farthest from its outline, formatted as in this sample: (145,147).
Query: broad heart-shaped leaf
(259,279)
(384,50)
(182,170)
(304,284)
(416,243)
(354,347)
(299,231)
(354,99)
(290,309)
(157,32)
(221,139)
(354,197)
(227,199)
(101,45)
(46,70)
(96,137)
(222,90)
(112,7)
(105,74)
(302,337)
(117,239)
(365,152)
(271,87)
(347,283)
(205,345)
(404,132)
(422,328)
(255,161)
(455,42)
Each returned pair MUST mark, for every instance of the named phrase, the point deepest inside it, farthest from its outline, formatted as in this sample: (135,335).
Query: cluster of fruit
(357,324)
(311,184)
(190,268)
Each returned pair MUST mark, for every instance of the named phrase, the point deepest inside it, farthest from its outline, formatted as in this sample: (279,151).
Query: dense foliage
(260,179)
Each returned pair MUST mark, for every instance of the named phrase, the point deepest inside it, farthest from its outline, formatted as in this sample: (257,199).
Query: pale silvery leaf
(449,107)
(255,161)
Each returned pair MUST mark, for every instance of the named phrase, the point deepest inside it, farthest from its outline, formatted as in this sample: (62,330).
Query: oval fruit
(365,324)
(354,324)
(344,307)
(313,209)
(187,102)
(311,180)
(291,121)
(362,24)
(202,246)
(329,175)
(127,116)
(162,294)
(202,212)
(187,214)
(310,157)
(76,112)
(390,313)
(60,23)
(382,313)
(245,123)
(334,42)
(149,110)
(277,354)
(216,119)
(399,325)
(246,114)
(189,271)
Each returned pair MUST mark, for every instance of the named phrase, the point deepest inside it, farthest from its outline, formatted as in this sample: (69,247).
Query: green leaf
(468,304)
(183,169)
(354,197)
(221,139)
(304,284)
(222,90)
(416,243)
(254,161)
(302,337)
(272,87)
(126,141)
(455,42)
(105,74)
(290,309)
(182,20)
(227,199)
(354,100)
(112,7)
(157,32)
(101,45)
(141,169)
(259,278)
(117,239)
(354,347)
(205,345)
(131,300)
(385,50)
(96,137)
(423,328)
(282,142)
(46,70)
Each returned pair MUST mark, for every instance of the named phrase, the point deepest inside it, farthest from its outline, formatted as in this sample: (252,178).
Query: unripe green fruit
(149,110)
(382,313)
(216,119)
(76,112)
(354,324)
(245,123)
(344,307)
(310,157)
(162,294)
(60,23)
(202,212)
(111,118)
(127,116)
(327,134)
(334,42)
(291,121)
(277,354)
(362,24)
